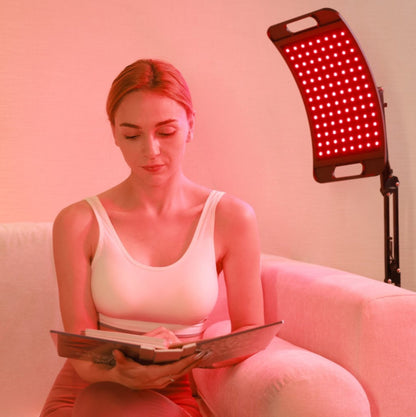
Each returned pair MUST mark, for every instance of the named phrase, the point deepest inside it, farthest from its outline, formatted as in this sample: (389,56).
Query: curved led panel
(343,104)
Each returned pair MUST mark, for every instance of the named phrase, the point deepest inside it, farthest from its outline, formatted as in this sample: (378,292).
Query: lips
(153,168)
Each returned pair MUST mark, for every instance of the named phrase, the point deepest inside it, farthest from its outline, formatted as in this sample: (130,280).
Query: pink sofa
(347,347)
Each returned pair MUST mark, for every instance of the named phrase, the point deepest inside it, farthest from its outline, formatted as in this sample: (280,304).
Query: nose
(151,147)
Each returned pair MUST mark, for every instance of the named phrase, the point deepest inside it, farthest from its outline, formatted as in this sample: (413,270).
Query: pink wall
(252,137)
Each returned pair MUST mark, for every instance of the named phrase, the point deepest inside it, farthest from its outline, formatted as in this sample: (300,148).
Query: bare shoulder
(233,211)
(236,236)
(76,221)
(79,213)
(235,224)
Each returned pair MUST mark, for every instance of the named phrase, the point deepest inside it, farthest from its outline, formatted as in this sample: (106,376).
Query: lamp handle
(321,17)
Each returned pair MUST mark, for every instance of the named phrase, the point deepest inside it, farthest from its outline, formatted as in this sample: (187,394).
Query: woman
(144,256)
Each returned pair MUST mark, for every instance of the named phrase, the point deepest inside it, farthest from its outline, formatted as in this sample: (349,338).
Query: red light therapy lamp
(344,107)
(345,110)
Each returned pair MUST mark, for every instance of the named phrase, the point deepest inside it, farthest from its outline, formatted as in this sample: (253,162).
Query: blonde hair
(149,75)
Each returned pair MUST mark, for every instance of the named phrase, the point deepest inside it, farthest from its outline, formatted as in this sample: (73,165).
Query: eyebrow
(132,125)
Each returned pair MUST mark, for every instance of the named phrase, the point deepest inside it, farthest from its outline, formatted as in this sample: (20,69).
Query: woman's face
(151,131)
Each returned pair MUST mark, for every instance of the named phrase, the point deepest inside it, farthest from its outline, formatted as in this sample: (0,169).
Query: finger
(185,365)
(176,368)
(164,333)
(119,357)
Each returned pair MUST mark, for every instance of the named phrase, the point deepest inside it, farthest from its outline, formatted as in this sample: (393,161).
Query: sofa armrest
(282,380)
(366,326)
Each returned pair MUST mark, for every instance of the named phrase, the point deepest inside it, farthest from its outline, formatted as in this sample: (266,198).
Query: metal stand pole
(390,190)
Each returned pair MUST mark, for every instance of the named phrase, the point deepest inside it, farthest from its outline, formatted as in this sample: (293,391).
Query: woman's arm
(238,240)
(75,236)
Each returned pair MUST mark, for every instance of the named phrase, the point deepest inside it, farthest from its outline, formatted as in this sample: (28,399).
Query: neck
(155,198)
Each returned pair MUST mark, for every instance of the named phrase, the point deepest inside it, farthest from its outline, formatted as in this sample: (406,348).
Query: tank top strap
(99,211)
(207,220)
(104,223)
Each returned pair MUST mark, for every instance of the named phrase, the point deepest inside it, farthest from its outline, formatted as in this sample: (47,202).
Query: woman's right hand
(139,377)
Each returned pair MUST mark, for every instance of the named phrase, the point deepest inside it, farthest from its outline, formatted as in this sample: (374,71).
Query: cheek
(128,153)
(178,149)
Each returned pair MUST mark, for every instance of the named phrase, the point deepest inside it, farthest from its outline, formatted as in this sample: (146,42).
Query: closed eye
(166,132)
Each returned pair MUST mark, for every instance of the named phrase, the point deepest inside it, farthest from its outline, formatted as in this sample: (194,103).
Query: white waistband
(136,326)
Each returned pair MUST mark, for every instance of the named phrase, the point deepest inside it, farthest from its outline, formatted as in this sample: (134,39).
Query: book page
(158,342)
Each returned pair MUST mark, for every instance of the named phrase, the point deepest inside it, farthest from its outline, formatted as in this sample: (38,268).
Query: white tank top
(131,296)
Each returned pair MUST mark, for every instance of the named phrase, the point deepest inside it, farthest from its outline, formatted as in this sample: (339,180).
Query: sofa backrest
(28,309)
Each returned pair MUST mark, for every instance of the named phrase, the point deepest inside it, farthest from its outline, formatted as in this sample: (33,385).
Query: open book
(97,346)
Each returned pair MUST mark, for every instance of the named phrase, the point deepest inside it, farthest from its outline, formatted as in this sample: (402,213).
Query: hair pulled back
(149,75)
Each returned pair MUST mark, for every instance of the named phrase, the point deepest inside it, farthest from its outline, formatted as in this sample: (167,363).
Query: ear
(113,130)
(191,122)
